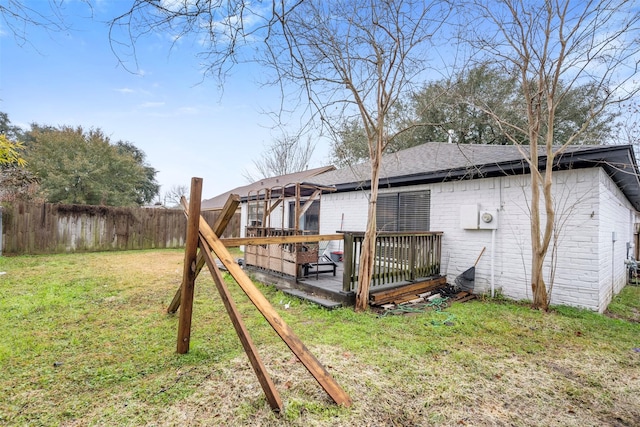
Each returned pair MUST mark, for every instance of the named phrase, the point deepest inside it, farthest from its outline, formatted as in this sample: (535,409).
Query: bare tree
(629,124)
(286,154)
(356,59)
(351,59)
(553,46)
(173,195)
(19,17)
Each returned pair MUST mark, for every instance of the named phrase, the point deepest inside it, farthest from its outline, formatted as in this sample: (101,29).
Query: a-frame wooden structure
(207,239)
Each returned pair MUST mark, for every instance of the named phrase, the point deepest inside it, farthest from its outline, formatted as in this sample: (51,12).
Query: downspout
(613,264)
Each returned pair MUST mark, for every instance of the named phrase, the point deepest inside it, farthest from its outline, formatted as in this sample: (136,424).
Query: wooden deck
(327,286)
(327,290)
(406,261)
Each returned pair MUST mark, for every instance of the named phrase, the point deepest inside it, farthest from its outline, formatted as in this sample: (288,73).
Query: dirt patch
(633,316)
(506,391)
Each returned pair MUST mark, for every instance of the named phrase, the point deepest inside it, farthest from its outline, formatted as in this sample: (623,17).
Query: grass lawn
(86,341)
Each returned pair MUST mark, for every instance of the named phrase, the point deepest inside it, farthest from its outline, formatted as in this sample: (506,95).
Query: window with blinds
(407,211)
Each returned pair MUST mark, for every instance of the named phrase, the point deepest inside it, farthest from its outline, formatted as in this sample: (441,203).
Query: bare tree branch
(286,154)
(20,17)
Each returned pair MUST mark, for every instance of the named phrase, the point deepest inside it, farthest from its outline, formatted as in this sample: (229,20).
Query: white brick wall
(588,208)
(343,211)
(615,215)
(274,220)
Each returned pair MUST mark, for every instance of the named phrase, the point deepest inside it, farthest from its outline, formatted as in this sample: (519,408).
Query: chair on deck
(325,263)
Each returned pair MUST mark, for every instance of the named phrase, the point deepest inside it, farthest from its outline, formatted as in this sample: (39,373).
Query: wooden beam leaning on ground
(279,240)
(187,286)
(219,226)
(315,368)
(272,395)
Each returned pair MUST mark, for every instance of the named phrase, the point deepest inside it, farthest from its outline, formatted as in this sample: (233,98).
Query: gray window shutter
(387,212)
(414,211)
(409,211)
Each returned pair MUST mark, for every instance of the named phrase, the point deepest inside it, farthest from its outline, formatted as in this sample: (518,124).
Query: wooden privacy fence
(400,257)
(30,228)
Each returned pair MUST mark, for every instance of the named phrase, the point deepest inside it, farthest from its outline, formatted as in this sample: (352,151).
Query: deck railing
(281,258)
(400,257)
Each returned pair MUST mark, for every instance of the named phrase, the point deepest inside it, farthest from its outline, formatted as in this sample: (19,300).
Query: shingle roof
(438,162)
(428,157)
(218,201)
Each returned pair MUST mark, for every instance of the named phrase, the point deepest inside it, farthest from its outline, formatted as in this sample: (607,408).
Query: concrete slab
(314,299)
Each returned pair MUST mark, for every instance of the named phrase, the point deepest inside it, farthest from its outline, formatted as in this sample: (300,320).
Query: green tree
(349,144)
(10,152)
(82,167)
(467,106)
(12,132)
(148,188)
(16,182)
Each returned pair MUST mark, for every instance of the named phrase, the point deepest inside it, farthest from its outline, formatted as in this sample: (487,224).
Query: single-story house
(479,196)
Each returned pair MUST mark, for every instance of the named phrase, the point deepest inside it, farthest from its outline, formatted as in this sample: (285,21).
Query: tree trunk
(540,240)
(367,256)
(538,286)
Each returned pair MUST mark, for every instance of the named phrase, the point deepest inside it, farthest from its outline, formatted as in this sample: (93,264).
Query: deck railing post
(412,257)
(438,257)
(347,262)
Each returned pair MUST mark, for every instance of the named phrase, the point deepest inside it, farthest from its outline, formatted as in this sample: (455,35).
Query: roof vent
(451,134)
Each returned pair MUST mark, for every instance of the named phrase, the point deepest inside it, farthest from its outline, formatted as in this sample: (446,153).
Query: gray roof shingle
(218,201)
(438,161)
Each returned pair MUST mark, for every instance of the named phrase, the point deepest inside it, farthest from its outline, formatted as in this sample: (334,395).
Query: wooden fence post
(189,270)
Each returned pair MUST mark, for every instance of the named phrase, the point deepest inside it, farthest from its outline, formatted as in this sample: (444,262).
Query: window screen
(403,211)
(310,219)
(255,213)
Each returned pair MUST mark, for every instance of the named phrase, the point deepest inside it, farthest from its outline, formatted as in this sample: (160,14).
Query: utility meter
(488,220)
(487,217)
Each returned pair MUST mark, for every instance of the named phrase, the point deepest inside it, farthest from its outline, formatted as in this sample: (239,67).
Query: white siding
(588,208)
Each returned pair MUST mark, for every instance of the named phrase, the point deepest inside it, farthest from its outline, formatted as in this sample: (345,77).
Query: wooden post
(296,224)
(315,368)
(347,262)
(272,395)
(175,302)
(189,271)
(412,258)
(219,227)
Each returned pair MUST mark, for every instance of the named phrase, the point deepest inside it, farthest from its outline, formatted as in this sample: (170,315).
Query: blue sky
(186,126)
